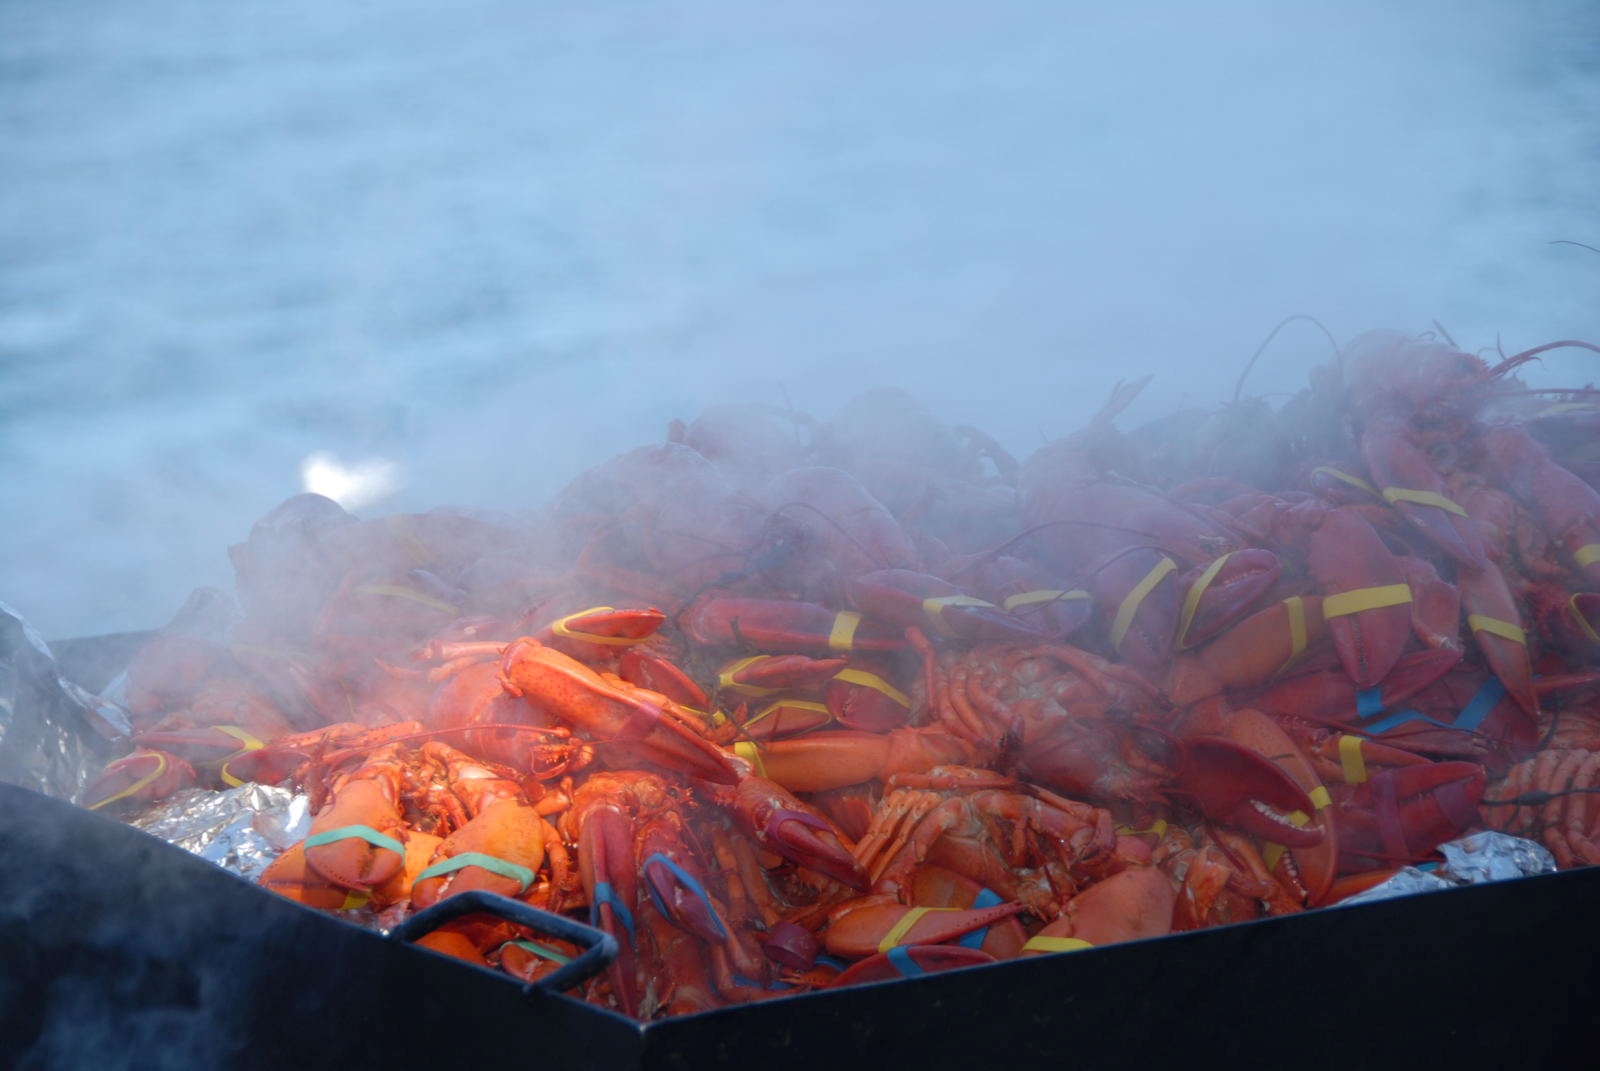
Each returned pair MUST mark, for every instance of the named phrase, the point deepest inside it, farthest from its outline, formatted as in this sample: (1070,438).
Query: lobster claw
(1367,600)
(1219,595)
(1237,786)
(143,775)
(602,626)
(860,699)
(763,675)
(356,840)
(675,879)
(644,722)
(1404,813)
(657,674)
(916,600)
(784,625)
(203,743)
(909,961)
(877,924)
(499,851)
(1136,590)
(782,824)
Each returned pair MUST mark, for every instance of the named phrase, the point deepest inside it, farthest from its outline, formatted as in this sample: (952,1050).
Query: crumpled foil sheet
(1471,860)
(53,734)
(241,829)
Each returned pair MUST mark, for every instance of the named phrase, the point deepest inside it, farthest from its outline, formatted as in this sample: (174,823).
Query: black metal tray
(122,951)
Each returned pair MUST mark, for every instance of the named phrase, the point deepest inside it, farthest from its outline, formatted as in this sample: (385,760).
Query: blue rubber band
(605,894)
(903,962)
(688,880)
(1369,702)
(1401,718)
(1483,701)
(831,961)
(985,898)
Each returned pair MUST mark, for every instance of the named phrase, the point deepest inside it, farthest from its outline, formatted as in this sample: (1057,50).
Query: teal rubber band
(492,863)
(543,951)
(366,833)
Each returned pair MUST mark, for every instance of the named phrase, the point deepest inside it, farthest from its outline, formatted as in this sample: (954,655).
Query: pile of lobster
(785,705)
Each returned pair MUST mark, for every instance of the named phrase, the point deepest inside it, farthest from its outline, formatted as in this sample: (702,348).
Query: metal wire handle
(600,948)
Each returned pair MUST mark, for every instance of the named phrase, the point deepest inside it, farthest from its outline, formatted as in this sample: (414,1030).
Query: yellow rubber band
(1496,627)
(1587,555)
(354,899)
(250,743)
(1297,630)
(161,768)
(1271,852)
(1130,605)
(1319,797)
(1159,828)
(1055,944)
(748,751)
(903,927)
(1340,474)
(1034,598)
(1353,602)
(1583,622)
(561,628)
(1191,601)
(398,591)
(842,637)
(875,682)
(1396,495)
(1355,766)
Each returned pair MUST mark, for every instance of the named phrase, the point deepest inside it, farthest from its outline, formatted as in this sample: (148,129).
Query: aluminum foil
(240,829)
(1471,860)
(53,735)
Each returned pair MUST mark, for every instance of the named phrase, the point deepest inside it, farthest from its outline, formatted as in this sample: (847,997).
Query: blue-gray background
(491,243)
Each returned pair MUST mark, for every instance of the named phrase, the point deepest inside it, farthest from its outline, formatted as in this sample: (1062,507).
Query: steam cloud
(494,247)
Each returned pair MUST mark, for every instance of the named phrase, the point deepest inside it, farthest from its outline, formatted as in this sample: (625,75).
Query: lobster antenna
(1445,333)
(1515,360)
(1580,245)
(1285,322)
(1537,797)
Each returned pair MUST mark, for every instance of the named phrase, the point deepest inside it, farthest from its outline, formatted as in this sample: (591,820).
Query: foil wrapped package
(1471,860)
(239,829)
